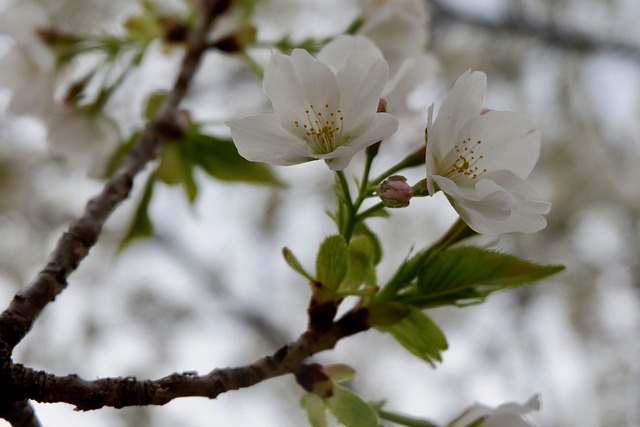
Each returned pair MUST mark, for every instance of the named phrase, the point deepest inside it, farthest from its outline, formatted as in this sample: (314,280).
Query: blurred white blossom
(85,138)
(506,415)
(481,158)
(321,110)
(28,68)
(397,27)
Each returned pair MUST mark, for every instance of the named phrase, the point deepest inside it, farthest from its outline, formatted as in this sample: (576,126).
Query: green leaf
(141,225)
(405,274)
(171,167)
(350,409)
(293,262)
(362,229)
(316,410)
(143,28)
(153,103)
(420,335)
(331,262)
(118,154)
(472,272)
(360,266)
(339,372)
(220,159)
(384,313)
(177,168)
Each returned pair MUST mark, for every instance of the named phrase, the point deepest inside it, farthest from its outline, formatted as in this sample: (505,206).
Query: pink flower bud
(382,106)
(395,192)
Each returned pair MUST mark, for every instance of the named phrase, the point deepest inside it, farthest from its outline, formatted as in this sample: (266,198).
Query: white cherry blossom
(398,27)
(506,415)
(480,159)
(320,110)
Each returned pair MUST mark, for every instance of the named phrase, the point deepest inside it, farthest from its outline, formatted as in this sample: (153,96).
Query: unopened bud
(382,106)
(395,192)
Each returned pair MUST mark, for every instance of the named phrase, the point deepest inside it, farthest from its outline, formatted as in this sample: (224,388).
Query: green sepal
(360,266)
(293,262)
(420,335)
(141,225)
(350,410)
(331,262)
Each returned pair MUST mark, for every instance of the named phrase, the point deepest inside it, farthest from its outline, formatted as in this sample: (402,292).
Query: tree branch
(524,25)
(74,244)
(121,392)
(20,414)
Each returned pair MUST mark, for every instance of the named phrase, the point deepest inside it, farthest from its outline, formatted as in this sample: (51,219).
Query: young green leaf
(153,103)
(141,225)
(406,273)
(331,262)
(420,335)
(339,372)
(480,270)
(316,410)
(362,229)
(360,266)
(384,313)
(350,409)
(177,168)
(293,262)
(118,154)
(220,159)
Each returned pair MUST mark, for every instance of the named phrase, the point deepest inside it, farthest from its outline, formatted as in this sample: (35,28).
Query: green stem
(403,419)
(371,210)
(417,158)
(345,203)
(345,189)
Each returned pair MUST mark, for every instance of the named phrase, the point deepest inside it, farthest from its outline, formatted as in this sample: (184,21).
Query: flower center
(463,161)
(322,130)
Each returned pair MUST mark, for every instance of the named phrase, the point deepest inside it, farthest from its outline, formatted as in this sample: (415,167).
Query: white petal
(335,52)
(509,141)
(382,126)
(294,83)
(463,103)
(501,203)
(339,158)
(489,200)
(361,80)
(259,138)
